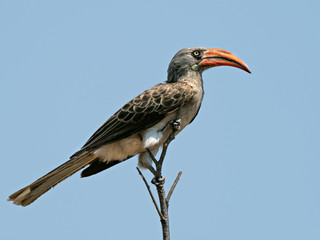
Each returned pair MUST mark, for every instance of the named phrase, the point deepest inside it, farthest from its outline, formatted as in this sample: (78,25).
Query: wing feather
(142,112)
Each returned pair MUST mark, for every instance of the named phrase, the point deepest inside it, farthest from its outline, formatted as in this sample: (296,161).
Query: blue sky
(250,160)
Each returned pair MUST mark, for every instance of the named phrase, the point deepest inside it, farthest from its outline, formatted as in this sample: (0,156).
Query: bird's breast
(188,112)
(190,109)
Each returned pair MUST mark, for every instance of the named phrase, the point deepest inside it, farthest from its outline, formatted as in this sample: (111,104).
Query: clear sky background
(250,160)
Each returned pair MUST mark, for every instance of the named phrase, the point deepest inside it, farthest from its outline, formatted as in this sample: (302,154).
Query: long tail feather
(30,193)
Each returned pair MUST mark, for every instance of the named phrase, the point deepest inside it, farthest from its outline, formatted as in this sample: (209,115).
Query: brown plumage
(140,124)
(142,112)
(30,193)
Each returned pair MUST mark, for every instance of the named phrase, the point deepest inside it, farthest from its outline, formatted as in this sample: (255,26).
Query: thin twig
(151,195)
(152,157)
(173,187)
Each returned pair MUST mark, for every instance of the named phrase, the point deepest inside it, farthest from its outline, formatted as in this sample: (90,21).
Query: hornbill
(142,123)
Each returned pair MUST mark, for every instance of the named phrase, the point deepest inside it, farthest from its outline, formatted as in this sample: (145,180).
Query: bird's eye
(196,53)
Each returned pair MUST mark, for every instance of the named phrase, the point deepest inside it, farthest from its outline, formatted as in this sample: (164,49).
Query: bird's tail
(30,193)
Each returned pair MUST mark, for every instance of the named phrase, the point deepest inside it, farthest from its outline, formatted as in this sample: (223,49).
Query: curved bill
(217,57)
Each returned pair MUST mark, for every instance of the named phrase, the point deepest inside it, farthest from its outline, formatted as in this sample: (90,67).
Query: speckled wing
(142,112)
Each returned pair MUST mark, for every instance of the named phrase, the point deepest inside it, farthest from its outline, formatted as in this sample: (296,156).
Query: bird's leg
(151,169)
(152,156)
(149,166)
(158,179)
(174,123)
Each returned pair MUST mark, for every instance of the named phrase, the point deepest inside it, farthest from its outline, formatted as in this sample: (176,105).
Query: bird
(142,125)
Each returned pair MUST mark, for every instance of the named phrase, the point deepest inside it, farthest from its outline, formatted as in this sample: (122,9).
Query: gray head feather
(181,63)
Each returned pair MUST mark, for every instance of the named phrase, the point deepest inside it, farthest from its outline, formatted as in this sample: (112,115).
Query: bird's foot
(175,124)
(158,181)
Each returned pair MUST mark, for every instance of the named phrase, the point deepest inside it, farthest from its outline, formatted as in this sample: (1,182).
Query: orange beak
(217,57)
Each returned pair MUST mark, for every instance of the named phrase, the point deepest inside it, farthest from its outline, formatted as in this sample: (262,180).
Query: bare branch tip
(173,187)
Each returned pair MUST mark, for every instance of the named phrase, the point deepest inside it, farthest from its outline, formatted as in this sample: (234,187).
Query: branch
(173,187)
(159,181)
(151,195)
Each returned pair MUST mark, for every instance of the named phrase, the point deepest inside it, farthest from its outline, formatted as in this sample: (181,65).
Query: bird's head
(199,59)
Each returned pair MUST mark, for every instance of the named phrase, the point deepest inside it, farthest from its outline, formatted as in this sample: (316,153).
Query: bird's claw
(158,181)
(175,124)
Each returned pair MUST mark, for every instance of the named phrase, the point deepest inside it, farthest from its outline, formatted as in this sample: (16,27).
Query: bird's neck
(185,75)
(193,78)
